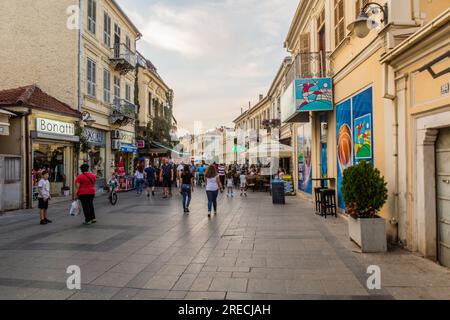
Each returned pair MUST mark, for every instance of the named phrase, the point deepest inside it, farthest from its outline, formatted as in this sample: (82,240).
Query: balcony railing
(122,112)
(123,59)
(311,65)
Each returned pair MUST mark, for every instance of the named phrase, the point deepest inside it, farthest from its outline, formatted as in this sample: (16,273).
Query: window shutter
(305,51)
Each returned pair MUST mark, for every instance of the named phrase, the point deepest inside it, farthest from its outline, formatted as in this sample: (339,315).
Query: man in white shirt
(44,197)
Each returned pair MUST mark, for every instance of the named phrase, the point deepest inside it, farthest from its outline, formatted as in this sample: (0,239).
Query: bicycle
(113,197)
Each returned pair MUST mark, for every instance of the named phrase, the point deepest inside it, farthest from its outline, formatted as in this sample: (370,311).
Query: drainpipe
(393,98)
(28,185)
(80,100)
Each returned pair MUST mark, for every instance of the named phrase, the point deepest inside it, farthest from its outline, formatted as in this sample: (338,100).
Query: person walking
(166,177)
(150,175)
(187,187)
(43,197)
(230,185)
(243,182)
(222,173)
(139,175)
(201,174)
(213,185)
(85,191)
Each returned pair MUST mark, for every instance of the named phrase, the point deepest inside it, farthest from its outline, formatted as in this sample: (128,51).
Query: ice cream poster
(354,133)
(314,94)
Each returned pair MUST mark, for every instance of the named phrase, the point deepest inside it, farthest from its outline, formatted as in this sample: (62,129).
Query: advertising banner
(314,94)
(354,125)
(304,158)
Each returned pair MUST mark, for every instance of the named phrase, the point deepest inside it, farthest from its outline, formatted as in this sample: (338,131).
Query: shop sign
(55,127)
(140,144)
(314,94)
(126,137)
(94,136)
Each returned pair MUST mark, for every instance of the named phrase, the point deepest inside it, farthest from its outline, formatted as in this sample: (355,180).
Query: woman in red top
(85,191)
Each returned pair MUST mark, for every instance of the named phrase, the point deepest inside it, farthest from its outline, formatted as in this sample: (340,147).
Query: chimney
(261,96)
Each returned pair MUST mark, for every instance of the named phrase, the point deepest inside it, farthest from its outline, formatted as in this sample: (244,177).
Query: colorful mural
(354,134)
(314,94)
(304,158)
(363,137)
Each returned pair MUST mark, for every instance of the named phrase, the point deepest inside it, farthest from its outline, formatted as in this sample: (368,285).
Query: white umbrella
(272,149)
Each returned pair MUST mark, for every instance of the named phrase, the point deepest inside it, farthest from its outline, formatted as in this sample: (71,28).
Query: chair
(328,202)
(318,199)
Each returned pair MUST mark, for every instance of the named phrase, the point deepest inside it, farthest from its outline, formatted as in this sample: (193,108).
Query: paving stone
(162,282)
(228,284)
(185,282)
(129,267)
(205,295)
(113,279)
(201,284)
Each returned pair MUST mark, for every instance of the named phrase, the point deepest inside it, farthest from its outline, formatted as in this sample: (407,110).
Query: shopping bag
(75,209)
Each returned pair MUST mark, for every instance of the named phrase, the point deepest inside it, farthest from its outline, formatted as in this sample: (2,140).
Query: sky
(217,55)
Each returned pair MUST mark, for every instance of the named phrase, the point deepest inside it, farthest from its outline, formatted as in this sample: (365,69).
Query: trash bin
(278,192)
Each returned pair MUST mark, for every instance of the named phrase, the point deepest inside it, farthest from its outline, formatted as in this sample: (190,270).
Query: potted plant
(365,192)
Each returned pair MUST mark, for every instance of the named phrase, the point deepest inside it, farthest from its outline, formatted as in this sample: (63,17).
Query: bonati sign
(55,127)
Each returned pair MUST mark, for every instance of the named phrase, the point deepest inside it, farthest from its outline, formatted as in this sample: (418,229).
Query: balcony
(311,65)
(123,59)
(122,112)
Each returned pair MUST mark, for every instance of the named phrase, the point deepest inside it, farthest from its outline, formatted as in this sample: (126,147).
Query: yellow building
(82,53)
(155,100)
(419,80)
(325,41)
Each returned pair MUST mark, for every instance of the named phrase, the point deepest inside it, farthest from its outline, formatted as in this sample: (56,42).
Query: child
(230,185)
(44,197)
(113,183)
(243,179)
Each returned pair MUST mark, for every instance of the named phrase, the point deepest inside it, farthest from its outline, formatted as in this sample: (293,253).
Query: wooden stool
(328,202)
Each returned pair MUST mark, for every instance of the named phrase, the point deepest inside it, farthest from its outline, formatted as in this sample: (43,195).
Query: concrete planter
(368,233)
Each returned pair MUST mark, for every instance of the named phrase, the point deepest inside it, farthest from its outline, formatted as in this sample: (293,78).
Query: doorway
(443,196)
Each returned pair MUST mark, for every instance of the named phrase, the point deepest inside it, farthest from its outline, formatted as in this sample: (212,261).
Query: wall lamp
(87,118)
(363,24)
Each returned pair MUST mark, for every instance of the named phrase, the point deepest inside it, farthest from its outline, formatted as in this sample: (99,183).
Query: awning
(170,149)
(270,149)
(128,148)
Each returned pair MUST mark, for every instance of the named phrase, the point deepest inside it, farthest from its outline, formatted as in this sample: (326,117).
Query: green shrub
(364,190)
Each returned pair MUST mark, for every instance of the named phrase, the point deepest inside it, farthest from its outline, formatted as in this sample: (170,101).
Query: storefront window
(51,158)
(96,155)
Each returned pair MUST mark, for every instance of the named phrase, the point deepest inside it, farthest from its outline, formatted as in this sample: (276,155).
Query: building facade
(365,117)
(83,54)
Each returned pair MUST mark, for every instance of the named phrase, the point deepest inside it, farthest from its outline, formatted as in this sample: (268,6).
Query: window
(127,92)
(106,86)
(91,78)
(107,30)
(92,15)
(150,103)
(339,22)
(128,42)
(305,50)
(12,170)
(116,89)
(359,4)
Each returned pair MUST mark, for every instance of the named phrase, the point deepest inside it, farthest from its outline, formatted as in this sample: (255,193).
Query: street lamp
(363,24)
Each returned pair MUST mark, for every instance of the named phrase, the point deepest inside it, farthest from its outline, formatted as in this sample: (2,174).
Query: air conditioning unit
(115,144)
(115,134)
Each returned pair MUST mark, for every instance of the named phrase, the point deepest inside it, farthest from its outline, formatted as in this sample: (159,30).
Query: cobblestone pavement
(147,249)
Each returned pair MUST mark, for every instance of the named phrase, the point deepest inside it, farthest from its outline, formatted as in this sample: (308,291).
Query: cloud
(216,54)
